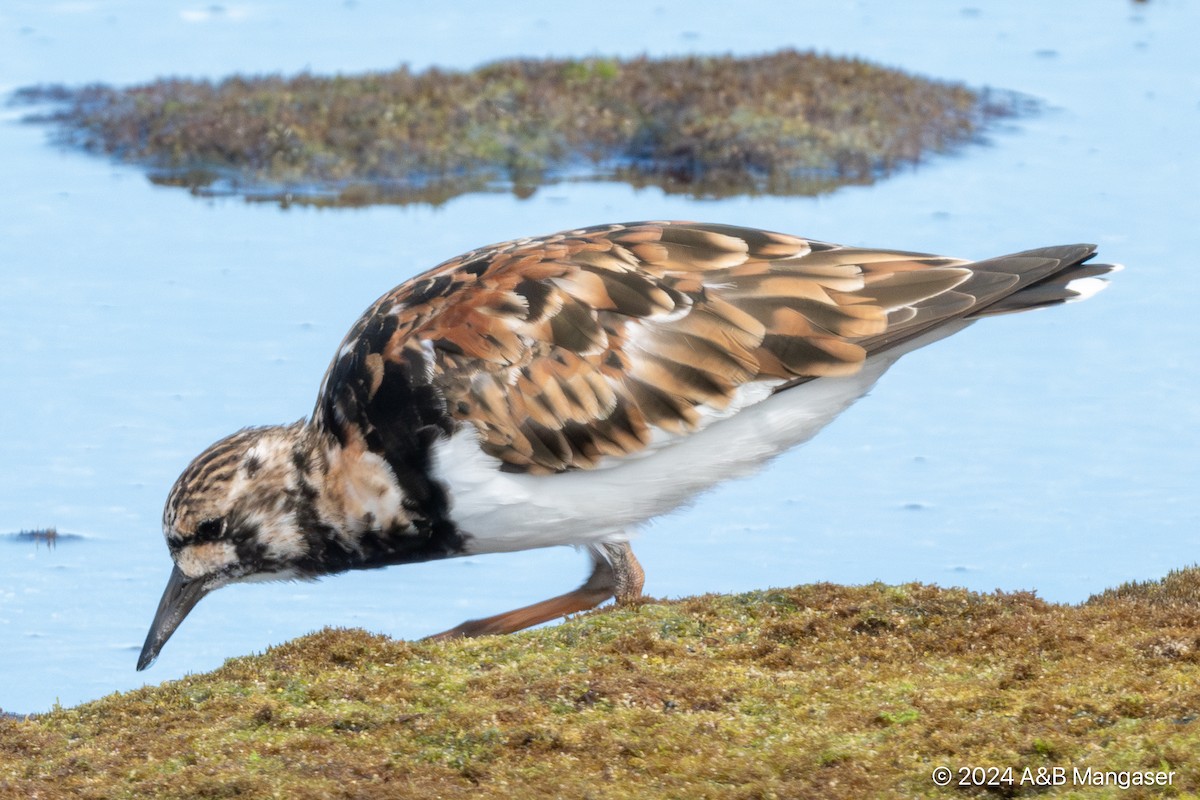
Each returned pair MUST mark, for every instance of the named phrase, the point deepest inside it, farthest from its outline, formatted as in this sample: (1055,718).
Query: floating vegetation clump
(817,691)
(785,123)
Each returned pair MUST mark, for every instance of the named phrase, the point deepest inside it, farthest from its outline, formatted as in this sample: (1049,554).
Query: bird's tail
(1047,276)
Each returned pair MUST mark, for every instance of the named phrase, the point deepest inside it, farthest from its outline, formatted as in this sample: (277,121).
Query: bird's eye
(210,529)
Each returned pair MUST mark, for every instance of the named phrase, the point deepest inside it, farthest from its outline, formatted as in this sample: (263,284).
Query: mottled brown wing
(566,349)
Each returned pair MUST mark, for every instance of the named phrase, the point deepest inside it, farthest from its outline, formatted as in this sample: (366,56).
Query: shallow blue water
(1055,451)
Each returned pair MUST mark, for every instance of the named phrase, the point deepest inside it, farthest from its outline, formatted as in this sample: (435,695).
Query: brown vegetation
(818,691)
(785,123)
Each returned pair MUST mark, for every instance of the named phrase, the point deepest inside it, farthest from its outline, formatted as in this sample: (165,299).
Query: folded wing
(568,349)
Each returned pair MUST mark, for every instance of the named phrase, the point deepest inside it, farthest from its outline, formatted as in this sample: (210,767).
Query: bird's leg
(627,572)
(615,572)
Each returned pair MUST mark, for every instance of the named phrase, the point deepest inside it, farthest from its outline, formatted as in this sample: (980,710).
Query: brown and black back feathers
(566,349)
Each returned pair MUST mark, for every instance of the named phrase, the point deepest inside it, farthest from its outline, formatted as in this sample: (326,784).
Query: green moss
(785,123)
(819,690)
(1180,586)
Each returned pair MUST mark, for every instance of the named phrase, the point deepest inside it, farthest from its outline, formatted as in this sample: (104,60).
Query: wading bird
(561,390)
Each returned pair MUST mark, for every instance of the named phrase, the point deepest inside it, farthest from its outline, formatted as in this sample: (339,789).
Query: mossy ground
(785,123)
(817,691)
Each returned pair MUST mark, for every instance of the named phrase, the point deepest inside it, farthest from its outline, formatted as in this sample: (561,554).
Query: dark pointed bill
(180,597)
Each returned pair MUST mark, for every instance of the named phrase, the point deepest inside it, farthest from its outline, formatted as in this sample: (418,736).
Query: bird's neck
(358,514)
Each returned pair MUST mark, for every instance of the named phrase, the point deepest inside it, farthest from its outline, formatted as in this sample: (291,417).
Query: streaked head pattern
(237,513)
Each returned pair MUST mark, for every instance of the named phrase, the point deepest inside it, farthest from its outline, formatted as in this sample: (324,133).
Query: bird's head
(235,514)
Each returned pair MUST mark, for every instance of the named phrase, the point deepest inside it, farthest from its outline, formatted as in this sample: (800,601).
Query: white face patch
(197,560)
(268,463)
(278,534)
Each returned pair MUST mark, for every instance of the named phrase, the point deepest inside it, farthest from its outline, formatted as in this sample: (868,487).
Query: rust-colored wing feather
(566,349)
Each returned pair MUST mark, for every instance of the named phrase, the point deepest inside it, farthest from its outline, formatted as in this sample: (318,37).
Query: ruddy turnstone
(563,389)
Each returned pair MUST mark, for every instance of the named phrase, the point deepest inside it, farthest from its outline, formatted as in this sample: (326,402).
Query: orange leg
(615,572)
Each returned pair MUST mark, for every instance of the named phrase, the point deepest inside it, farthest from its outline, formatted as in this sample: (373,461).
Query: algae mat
(816,691)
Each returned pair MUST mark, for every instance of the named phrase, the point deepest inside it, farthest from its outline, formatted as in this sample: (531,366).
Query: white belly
(511,511)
